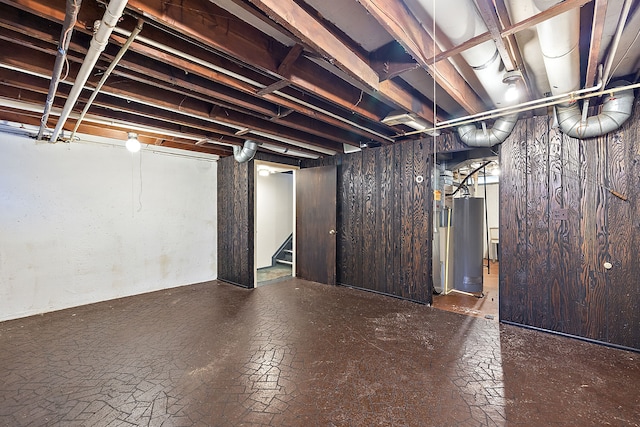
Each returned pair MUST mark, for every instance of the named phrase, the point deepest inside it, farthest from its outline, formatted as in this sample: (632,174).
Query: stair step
(289,251)
(282,261)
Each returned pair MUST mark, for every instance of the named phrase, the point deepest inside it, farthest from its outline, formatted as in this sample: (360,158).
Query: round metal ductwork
(245,153)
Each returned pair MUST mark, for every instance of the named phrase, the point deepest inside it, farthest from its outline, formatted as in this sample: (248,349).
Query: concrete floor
(273,274)
(486,307)
(297,353)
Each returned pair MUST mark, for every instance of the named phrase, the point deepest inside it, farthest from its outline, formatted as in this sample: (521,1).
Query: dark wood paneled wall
(236,207)
(384,219)
(559,225)
(235,221)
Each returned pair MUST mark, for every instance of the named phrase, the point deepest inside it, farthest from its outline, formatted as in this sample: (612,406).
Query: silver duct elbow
(474,137)
(616,109)
(245,153)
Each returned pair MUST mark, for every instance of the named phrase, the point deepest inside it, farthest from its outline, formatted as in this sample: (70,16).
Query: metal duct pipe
(245,153)
(70,18)
(616,109)
(474,137)
(107,73)
(98,43)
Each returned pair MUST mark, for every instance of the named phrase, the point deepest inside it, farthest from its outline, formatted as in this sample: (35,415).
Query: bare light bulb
(511,94)
(132,143)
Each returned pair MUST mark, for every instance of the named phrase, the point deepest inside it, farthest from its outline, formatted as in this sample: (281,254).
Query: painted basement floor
(298,353)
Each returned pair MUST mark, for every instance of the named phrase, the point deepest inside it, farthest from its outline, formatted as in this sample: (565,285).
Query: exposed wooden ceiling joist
(206,23)
(597,29)
(295,19)
(489,16)
(405,28)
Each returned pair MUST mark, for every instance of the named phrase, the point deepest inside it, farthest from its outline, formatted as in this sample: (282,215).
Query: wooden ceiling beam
(108,131)
(295,19)
(595,46)
(283,70)
(121,111)
(185,71)
(391,60)
(489,16)
(512,44)
(171,101)
(405,28)
(245,43)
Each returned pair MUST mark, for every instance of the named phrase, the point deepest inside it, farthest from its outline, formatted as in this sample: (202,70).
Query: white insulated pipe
(559,38)
(98,43)
(460,21)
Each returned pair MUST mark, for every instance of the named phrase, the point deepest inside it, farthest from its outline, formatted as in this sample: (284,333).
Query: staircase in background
(284,254)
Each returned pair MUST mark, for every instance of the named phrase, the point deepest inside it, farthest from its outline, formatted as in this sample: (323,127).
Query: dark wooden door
(316,224)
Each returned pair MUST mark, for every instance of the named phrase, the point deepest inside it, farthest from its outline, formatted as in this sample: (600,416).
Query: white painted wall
(274,219)
(82,223)
(493,210)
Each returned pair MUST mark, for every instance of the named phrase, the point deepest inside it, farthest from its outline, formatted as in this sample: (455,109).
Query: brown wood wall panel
(537,156)
(513,227)
(369,204)
(422,218)
(384,217)
(236,207)
(559,225)
(235,221)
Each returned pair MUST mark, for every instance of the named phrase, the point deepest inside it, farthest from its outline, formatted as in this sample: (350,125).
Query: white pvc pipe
(98,43)
(616,41)
(70,18)
(107,73)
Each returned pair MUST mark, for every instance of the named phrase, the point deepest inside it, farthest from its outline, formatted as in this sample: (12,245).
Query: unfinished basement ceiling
(303,78)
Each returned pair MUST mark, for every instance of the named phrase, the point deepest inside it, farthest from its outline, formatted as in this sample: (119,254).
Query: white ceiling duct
(559,38)
(460,21)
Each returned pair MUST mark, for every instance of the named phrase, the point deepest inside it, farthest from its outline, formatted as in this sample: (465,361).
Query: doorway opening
(466,233)
(274,223)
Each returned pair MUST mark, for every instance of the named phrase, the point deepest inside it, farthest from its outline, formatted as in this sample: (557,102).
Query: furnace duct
(474,137)
(616,109)
(245,153)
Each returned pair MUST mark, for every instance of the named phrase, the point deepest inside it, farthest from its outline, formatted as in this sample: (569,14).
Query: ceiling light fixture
(401,118)
(512,78)
(132,143)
